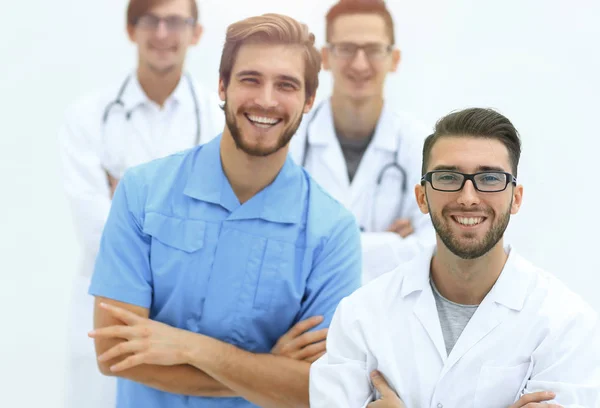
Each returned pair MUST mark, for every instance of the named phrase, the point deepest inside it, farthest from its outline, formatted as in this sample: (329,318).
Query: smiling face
(265,98)
(360,77)
(164,34)
(469,222)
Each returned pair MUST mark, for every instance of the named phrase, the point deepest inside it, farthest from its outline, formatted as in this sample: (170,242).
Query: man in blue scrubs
(209,256)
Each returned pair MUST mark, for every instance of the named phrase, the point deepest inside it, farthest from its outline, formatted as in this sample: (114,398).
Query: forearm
(263,379)
(180,379)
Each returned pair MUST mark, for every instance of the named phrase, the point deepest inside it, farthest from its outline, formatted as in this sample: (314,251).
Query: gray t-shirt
(353,150)
(453,317)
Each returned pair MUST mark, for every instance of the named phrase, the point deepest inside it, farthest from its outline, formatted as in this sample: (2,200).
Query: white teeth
(264,120)
(469,221)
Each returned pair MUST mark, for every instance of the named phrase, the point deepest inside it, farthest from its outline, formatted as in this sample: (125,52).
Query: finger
(311,350)
(533,398)
(405,231)
(126,347)
(302,327)
(120,332)
(309,338)
(130,362)
(381,384)
(315,357)
(127,317)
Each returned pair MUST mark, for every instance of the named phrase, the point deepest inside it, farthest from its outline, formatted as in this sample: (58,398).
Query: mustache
(478,210)
(260,111)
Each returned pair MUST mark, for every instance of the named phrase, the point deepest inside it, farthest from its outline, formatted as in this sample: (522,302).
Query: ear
(309,104)
(222,89)
(325,58)
(198,31)
(396,58)
(517,199)
(421,196)
(131,32)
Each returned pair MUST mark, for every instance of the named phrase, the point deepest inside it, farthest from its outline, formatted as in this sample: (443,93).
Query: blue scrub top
(178,242)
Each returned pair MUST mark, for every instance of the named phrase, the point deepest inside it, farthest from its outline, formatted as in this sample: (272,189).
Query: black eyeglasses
(173,23)
(485,181)
(373,51)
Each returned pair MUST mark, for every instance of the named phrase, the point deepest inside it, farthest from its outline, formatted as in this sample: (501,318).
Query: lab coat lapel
(378,154)
(427,314)
(325,151)
(487,317)
(416,283)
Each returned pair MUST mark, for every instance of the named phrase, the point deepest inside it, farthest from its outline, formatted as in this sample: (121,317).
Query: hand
(534,400)
(146,341)
(402,227)
(388,399)
(300,344)
(112,183)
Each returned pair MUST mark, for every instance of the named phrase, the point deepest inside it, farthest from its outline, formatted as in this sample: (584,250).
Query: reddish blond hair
(138,8)
(347,7)
(273,29)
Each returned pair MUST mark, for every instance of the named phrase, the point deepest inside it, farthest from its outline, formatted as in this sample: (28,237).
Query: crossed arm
(131,346)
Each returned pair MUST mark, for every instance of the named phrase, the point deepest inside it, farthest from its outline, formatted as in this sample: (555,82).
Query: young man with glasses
(470,322)
(357,146)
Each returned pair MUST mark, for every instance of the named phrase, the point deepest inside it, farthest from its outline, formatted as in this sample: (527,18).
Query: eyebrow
(478,169)
(289,78)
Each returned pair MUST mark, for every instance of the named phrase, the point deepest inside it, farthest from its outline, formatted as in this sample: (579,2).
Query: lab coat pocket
(501,386)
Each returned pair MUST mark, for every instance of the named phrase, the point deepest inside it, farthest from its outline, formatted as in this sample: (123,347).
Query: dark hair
(272,29)
(346,7)
(476,122)
(138,8)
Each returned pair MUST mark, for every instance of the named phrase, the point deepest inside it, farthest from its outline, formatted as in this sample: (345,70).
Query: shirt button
(440,405)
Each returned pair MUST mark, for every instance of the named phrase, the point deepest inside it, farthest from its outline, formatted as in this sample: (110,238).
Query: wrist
(195,350)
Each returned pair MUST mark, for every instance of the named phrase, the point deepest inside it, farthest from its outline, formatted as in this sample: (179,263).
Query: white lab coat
(397,138)
(529,334)
(89,150)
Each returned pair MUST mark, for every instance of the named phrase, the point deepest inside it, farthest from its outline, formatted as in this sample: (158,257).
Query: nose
(468,196)
(266,97)
(360,62)
(161,29)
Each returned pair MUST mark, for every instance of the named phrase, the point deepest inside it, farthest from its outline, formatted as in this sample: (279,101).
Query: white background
(537,61)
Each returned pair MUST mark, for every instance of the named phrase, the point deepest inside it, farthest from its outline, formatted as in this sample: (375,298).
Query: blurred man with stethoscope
(155,111)
(361,151)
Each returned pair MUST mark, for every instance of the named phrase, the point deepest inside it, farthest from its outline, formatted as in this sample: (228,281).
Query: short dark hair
(138,8)
(346,7)
(476,122)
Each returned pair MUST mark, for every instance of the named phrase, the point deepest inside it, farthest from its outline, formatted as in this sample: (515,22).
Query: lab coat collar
(135,96)
(510,289)
(321,130)
(279,202)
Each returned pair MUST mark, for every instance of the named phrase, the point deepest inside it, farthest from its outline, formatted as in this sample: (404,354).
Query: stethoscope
(393,165)
(119,101)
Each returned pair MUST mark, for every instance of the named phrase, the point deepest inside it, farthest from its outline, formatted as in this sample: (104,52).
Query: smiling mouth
(468,222)
(262,122)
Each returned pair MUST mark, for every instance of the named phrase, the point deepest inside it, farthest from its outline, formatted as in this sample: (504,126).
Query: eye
(287,86)
(249,80)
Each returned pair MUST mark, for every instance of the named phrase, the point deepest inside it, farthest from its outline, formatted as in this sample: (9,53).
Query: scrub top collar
(510,289)
(279,202)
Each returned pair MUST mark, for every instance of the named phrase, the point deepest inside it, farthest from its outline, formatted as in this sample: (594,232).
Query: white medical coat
(529,334)
(90,150)
(397,138)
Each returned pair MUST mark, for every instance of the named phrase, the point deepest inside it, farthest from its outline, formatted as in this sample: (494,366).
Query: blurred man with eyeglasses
(157,110)
(468,323)
(359,148)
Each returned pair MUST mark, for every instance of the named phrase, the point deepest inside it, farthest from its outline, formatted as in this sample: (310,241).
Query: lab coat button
(440,405)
